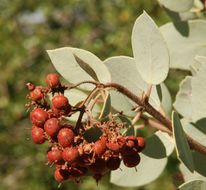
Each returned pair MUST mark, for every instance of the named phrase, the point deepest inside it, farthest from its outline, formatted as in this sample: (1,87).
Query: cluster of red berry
(70,152)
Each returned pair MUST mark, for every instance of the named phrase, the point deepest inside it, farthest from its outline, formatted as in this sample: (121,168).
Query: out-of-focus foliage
(27,30)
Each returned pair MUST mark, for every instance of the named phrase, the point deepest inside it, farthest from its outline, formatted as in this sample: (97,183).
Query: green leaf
(199,95)
(199,163)
(159,91)
(92,134)
(193,185)
(150,50)
(77,65)
(201,125)
(183,99)
(200,61)
(182,147)
(148,170)
(188,176)
(123,71)
(159,145)
(193,132)
(177,5)
(106,107)
(166,102)
(189,37)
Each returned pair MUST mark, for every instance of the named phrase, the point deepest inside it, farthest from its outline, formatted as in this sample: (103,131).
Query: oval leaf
(150,50)
(123,71)
(77,65)
(193,132)
(106,107)
(148,170)
(182,147)
(193,185)
(199,95)
(183,99)
(189,37)
(188,176)
(159,145)
(177,5)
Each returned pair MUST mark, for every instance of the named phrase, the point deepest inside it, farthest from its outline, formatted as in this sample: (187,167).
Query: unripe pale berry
(38,117)
(52,126)
(65,137)
(36,94)
(37,135)
(52,80)
(60,102)
(70,154)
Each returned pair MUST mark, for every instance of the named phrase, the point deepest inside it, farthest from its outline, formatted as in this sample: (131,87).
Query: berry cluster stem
(156,114)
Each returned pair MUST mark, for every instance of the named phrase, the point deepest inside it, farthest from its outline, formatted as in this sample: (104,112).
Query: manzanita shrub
(93,123)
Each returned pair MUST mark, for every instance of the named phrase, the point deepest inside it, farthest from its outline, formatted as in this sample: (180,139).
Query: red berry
(52,80)
(37,135)
(52,126)
(141,143)
(65,137)
(61,175)
(131,160)
(113,163)
(38,117)
(70,154)
(30,86)
(131,141)
(54,156)
(100,146)
(36,94)
(98,166)
(60,102)
(59,112)
(117,145)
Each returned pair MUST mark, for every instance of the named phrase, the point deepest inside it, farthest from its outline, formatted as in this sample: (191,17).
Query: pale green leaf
(188,176)
(189,38)
(123,71)
(106,107)
(76,65)
(150,50)
(148,170)
(182,147)
(200,61)
(177,5)
(166,102)
(199,95)
(193,132)
(183,100)
(159,145)
(193,185)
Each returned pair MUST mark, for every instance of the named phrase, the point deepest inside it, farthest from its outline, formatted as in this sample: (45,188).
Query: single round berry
(60,102)
(61,175)
(131,160)
(36,94)
(54,156)
(52,126)
(70,154)
(100,146)
(113,163)
(58,112)
(37,135)
(98,166)
(131,141)
(127,151)
(38,117)
(65,137)
(52,80)
(141,143)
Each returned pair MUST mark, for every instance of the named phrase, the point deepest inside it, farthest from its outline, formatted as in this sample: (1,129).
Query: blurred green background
(27,29)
